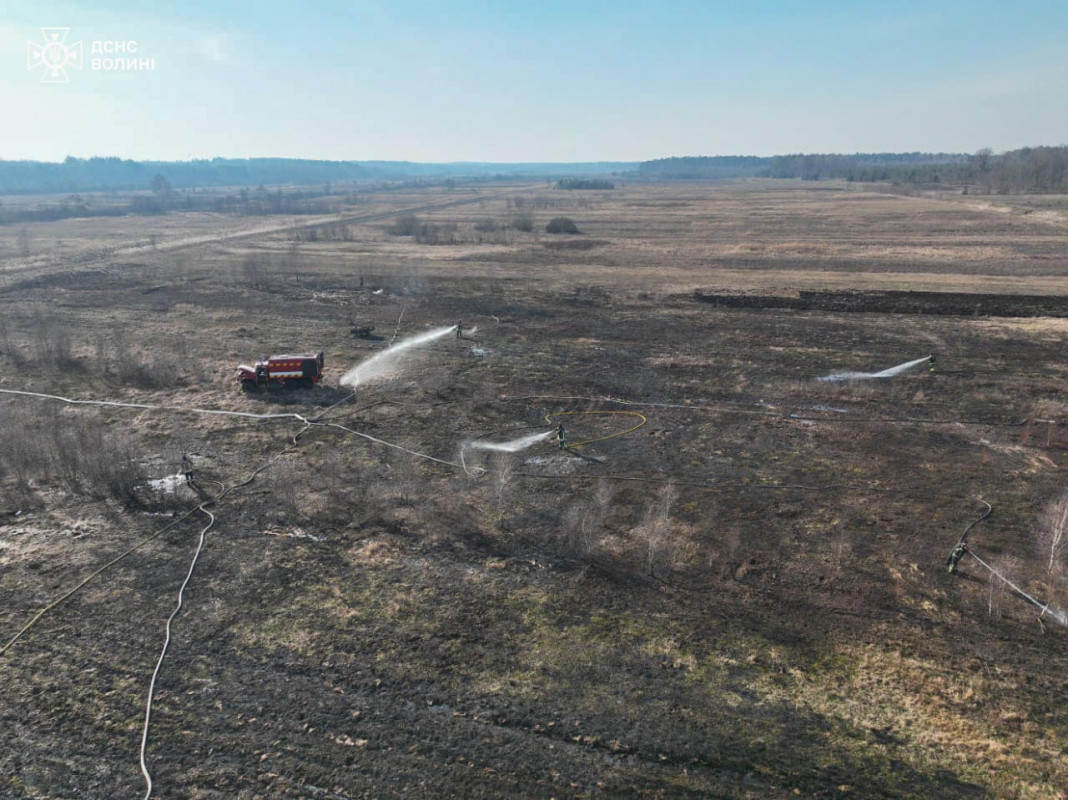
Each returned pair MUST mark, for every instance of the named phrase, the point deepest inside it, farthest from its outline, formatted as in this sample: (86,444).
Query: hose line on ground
(641,417)
(166,644)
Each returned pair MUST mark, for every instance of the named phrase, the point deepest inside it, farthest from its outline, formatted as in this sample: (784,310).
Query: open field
(745,597)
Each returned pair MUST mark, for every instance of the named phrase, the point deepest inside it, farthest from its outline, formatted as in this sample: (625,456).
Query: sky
(537,80)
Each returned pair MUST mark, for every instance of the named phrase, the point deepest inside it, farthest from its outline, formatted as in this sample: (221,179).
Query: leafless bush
(20,460)
(256,272)
(435,234)
(523,222)
(997,590)
(78,454)
(503,473)
(135,367)
(560,225)
(50,340)
(1052,540)
(407,225)
(543,203)
(577,536)
(338,232)
(654,531)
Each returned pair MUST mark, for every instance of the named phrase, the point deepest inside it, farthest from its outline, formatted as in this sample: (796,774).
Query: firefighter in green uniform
(561,437)
(460,330)
(956,556)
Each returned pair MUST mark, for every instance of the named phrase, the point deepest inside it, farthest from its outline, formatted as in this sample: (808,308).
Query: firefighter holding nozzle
(956,556)
(561,437)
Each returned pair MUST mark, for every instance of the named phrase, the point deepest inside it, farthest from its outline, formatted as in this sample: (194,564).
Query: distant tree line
(1029,169)
(810,166)
(584,183)
(861,166)
(110,174)
(116,174)
(691,167)
(163,198)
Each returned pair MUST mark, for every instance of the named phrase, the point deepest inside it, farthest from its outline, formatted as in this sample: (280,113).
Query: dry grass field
(745,597)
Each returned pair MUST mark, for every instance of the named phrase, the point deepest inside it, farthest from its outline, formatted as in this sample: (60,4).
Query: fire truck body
(303,370)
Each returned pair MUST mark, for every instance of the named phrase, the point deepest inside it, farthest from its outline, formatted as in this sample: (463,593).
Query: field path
(97,259)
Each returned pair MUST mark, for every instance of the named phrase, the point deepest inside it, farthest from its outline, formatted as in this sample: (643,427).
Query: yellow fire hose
(641,417)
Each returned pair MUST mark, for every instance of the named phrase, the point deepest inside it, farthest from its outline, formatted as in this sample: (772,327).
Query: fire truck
(293,371)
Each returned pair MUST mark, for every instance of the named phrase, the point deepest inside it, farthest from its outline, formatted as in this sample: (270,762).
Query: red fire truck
(295,371)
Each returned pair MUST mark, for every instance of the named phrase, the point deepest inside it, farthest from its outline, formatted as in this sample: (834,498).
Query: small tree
(161,187)
(562,225)
(408,225)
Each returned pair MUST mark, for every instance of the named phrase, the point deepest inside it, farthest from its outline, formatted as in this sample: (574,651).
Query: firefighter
(561,437)
(956,556)
(460,329)
(187,468)
(931,361)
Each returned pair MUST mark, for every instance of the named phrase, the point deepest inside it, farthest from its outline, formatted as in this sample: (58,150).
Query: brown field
(745,597)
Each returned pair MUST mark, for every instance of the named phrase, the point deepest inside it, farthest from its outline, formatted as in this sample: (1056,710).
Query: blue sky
(539,81)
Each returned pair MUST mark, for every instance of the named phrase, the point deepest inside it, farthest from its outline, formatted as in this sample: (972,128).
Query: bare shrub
(78,454)
(19,458)
(655,529)
(1052,539)
(50,340)
(544,202)
(503,474)
(256,271)
(523,222)
(579,534)
(562,225)
(407,225)
(435,234)
(134,367)
(665,543)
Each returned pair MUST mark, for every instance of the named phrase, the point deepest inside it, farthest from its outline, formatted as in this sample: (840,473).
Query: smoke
(886,373)
(514,446)
(388,362)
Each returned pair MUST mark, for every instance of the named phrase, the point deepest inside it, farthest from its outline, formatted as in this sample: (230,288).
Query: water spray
(511,446)
(834,377)
(1045,608)
(386,363)
(963,549)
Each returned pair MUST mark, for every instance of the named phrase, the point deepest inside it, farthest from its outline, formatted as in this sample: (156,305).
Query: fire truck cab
(294,371)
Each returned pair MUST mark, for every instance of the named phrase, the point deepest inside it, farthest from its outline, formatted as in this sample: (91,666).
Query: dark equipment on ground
(362,331)
(290,371)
